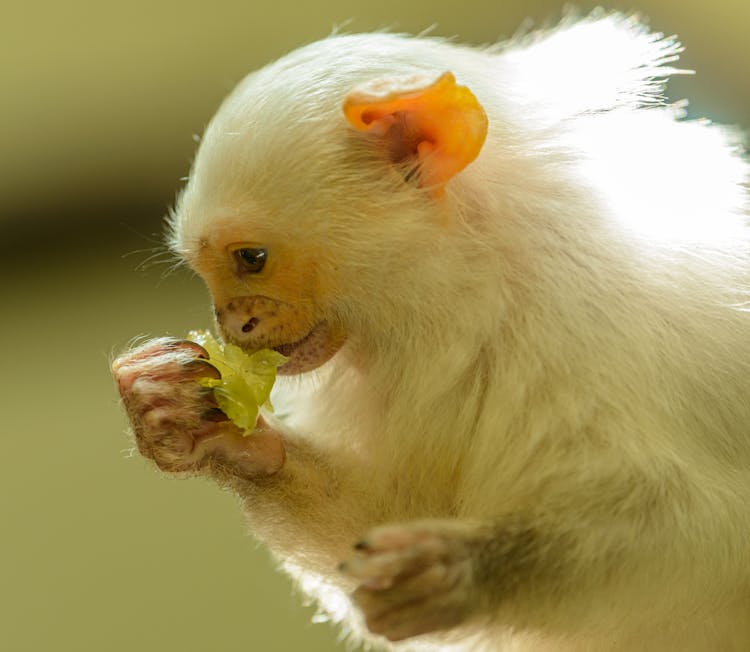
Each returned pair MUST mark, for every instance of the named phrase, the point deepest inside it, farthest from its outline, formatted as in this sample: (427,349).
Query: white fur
(565,335)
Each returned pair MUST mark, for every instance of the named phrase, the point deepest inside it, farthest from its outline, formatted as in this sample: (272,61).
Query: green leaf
(246,380)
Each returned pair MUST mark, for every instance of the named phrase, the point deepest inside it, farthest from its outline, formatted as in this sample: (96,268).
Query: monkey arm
(306,503)
(561,569)
(311,509)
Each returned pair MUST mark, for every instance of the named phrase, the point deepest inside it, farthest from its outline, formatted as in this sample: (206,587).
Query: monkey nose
(250,324)
(247,320)
(236,326)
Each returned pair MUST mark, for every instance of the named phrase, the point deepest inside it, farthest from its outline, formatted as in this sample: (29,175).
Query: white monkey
(514,288)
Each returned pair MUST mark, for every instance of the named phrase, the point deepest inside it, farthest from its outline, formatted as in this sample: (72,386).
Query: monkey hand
(414,578)
(176,421)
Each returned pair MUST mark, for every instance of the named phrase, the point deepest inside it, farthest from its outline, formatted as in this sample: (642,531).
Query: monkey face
(268,293)
(314,214)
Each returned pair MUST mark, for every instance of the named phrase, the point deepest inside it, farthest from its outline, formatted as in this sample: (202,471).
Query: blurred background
(99,106)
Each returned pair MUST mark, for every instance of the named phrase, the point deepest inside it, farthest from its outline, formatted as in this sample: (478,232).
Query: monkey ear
(435,121)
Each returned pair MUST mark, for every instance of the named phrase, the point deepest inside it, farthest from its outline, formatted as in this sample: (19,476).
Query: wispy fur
(563,341)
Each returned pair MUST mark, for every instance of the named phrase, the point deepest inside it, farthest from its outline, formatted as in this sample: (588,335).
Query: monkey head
(315,210)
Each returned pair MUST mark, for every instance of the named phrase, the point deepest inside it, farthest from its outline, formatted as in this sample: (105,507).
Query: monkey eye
(250,259)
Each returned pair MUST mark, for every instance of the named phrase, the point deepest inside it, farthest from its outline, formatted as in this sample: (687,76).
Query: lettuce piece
(246,380)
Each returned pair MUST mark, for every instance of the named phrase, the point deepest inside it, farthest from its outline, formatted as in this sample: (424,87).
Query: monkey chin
(312,351)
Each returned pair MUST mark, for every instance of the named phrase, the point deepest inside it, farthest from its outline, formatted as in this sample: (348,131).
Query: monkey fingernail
(215,414)
(194,347)
(202,369)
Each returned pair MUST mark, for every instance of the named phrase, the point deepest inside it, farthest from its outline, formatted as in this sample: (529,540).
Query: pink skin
(176,422)
(309,352)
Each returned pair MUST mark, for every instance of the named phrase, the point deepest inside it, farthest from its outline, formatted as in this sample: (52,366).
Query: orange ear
(437,121)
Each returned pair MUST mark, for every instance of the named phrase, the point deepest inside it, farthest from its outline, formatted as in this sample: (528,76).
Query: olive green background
(98,105)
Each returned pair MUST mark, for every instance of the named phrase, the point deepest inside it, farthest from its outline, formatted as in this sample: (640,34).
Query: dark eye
(251,259)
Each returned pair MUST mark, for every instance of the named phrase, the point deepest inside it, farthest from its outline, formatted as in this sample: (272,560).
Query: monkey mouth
(289,348)
(308,353)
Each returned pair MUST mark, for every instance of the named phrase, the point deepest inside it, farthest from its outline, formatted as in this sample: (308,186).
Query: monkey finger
(417,618)
(403,590)
(259,454)
(382,570)
(170,371)
(430,537)
(158,347)
(416,605)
